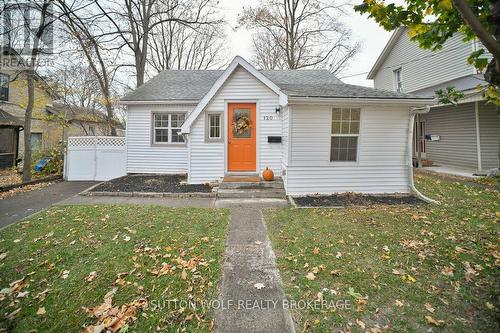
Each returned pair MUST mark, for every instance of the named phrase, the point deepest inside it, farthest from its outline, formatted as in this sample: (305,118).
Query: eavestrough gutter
(414,112)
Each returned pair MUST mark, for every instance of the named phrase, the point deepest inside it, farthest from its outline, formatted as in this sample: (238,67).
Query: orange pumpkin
(268,174)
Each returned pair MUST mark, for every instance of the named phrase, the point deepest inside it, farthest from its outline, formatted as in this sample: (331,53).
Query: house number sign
(268,117)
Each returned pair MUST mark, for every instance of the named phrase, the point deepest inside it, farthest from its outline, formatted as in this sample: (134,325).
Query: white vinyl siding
(207,162)
(382,157)
(422,68)
(142,156)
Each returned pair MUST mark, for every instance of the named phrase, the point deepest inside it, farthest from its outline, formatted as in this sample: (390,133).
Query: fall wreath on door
(241,123)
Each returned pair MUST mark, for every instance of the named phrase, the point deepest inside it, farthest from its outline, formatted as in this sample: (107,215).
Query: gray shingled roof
(194,84)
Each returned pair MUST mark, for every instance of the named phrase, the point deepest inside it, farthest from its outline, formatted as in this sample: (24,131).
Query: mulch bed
(351,199)
(151,183)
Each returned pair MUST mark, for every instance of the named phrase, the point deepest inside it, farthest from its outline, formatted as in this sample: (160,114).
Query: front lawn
(394,268)
(88,267)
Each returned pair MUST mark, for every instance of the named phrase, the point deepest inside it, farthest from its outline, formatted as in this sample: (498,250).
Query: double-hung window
(167,127)
(398,81)
(344,135)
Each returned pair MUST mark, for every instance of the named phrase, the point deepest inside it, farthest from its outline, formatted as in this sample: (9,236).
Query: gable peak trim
(237,61)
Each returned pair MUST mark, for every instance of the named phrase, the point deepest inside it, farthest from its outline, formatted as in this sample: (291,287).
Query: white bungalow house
(320,135)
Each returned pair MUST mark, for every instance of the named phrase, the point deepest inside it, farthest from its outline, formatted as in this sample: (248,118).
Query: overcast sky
(372,37)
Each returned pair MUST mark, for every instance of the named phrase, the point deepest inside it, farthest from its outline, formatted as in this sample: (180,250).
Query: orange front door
(241,147)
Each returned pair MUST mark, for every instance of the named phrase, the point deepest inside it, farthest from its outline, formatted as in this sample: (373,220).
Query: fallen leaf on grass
(310,276)
(13,313)
(398,271)
(354,294)
(3,256)
(429,307)
(448,271)
(113,318)
(184,275)
(41,311)
(91,276)
(316,250)
(65,275)
(433,321)
(361,324)
(398,303)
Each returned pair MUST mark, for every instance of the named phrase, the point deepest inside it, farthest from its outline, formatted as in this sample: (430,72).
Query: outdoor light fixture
(278,110)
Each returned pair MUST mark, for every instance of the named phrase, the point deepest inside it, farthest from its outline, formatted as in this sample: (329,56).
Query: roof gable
(237,61)
(385,52)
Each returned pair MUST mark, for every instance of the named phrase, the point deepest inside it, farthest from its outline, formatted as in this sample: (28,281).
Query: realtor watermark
(20,23)
(252,304)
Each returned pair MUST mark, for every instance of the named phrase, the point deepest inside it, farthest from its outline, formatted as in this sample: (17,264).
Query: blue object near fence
(42,163)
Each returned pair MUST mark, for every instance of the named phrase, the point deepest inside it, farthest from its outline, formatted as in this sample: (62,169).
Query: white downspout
(411,124)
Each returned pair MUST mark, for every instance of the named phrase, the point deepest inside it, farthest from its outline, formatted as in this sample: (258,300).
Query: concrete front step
(251,193)
(277,184)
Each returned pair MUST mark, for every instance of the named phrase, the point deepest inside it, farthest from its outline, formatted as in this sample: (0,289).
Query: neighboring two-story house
(51,123)
(464,136)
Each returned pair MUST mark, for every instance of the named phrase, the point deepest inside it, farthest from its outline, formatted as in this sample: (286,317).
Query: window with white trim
(398,81)
(167,127)
(344,134)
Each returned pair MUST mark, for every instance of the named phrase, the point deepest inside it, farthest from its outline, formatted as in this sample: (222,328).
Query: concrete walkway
(251,291)
(21,205)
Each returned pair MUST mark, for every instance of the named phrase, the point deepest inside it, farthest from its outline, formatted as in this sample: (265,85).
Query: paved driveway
(21,205)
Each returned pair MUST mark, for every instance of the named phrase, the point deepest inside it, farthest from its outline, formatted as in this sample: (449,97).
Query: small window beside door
(214,127)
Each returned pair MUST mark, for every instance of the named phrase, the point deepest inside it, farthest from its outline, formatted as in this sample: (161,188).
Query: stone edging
(31,182)
(150,194)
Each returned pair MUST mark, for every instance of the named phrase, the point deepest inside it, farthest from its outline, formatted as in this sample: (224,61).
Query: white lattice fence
(95,158)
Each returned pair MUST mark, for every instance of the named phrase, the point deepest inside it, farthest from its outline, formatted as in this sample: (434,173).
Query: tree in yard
(133,22)
(83,27)
(36,19)
(303,33)
(175,45)
(433,22)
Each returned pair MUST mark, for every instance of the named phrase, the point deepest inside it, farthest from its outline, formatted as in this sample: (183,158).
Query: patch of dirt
(353,199)
(151,183)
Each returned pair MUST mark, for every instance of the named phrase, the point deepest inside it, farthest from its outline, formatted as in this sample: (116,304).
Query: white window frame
(169,129)
(398,79)
(356,161)
(208,138)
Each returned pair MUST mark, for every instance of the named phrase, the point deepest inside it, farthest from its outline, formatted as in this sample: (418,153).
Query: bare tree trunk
(30,73)
(27,125)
